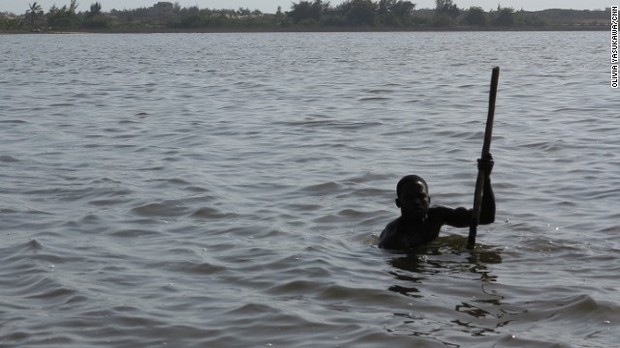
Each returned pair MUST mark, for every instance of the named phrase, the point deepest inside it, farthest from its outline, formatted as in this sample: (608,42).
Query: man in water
(420,223)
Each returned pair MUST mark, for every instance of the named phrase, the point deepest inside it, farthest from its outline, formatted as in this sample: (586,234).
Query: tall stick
(486,147)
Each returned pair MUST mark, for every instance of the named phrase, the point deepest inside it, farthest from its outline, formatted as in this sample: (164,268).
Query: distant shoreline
(319,30)
(166,17)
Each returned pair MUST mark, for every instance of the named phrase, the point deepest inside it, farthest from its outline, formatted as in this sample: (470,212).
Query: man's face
(414,200)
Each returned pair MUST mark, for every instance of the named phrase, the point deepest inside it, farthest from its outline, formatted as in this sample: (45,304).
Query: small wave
(328,187)
(212,213)
(30,269)
(340,125)
(352,213)
(34,245)
(107,202)
(363,99)
(14,121)
(133,233)
(160,210)
(202,269)
(8,159)
(577,110)
(552,145)
(291,288)
(569,312)
(52,294)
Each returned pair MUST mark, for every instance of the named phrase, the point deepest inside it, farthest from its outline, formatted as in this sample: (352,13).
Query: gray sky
(270,6)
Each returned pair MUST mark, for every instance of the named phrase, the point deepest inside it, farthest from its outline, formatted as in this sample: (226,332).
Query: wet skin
(420,223)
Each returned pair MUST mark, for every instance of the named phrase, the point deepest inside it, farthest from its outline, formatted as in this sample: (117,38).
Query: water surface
(226,190)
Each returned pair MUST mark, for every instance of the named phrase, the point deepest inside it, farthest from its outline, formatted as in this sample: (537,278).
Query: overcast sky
(270,6)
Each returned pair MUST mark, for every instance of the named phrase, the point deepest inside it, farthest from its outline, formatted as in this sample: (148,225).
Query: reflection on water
(434,258)
(446,274)
(449,257)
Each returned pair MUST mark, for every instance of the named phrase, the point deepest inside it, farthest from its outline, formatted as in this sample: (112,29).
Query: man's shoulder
(389,231)
(438,211)
(391,226)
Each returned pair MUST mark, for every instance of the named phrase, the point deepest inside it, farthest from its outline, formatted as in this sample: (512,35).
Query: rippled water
(226,190)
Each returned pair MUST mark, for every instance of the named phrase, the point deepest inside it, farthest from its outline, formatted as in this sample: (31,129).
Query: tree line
(303,15)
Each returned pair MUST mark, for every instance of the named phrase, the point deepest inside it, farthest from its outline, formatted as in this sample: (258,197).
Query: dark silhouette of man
(420,223)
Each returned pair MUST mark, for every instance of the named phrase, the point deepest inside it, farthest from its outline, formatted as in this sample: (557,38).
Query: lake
(227,190)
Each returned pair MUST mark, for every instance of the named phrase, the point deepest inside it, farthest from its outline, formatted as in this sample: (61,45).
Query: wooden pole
(486,147)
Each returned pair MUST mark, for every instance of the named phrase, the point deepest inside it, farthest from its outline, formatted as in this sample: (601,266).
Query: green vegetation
(303,15)
(33,13)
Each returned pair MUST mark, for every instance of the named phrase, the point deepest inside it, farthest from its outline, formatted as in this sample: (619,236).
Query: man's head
(412,196)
